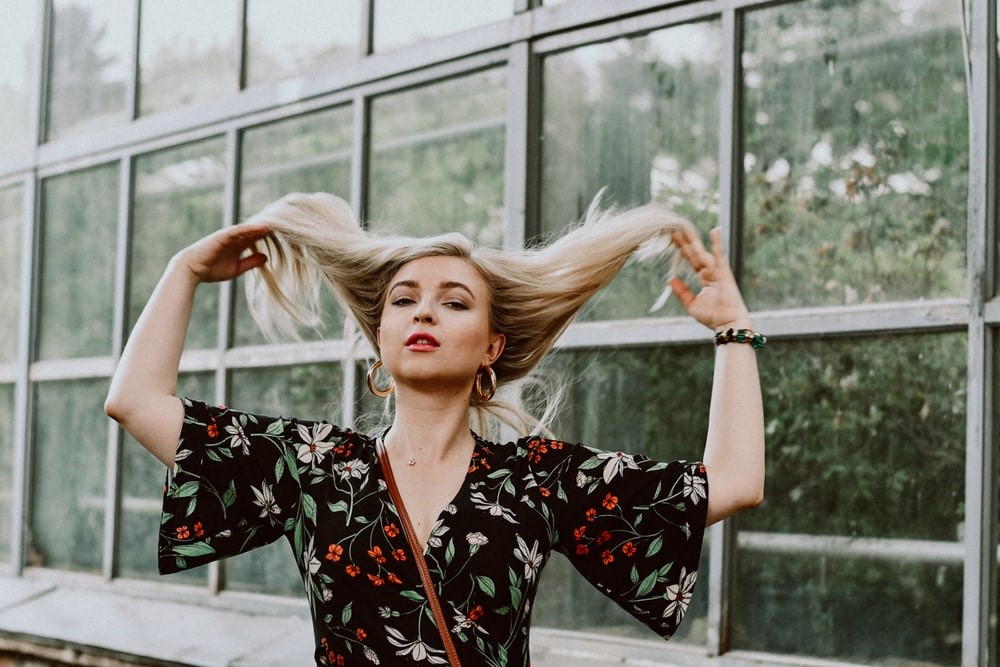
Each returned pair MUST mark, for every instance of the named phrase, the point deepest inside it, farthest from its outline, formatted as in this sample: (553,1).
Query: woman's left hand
(718,304)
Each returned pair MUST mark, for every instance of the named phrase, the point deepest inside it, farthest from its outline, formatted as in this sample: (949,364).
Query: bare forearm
(734,449)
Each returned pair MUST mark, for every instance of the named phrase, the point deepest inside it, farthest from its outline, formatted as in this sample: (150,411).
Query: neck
(429,429)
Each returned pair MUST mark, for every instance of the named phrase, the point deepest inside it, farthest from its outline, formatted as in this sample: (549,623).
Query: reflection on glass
(142,480)
(290,39)
(304,154)
(11,200)
(188,52)
(639,117)
(856,153)
(18,34)
(179,197)
(76,295)
(401,23)
(69,446)
(6,468)
(305,392)
(91,65)
(866,445)
(437,158)
(652,401)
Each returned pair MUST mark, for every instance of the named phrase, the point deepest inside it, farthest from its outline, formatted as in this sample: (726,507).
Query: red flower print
(582,550)
(544,491)
(399,555)
(392,530)
(213,429)
(393,579)
(578,533)
(352,570)
(607,557)
(591,514)
(629,549)
(376,553)
(603,537)
(476,613)
(361,634)
(610,502)
(334,552)
(183,532)
(377,581)
(199,530)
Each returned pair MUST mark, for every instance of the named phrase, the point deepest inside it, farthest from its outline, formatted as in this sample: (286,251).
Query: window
(437,159)
(401,23)
(11,216)
(90,72)
(856,186)
(18,34)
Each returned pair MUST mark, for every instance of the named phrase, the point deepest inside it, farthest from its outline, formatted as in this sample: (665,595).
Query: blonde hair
(534,293)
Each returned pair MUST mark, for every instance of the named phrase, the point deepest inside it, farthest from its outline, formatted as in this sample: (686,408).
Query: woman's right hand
(222,255)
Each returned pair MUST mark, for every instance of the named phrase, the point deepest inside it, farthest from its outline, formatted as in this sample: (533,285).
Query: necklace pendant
(412,461)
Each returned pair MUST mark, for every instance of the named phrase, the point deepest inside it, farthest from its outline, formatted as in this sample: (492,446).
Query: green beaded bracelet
(756,340)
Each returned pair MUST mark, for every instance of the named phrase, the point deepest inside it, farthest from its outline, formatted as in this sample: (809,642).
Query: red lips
(421,340)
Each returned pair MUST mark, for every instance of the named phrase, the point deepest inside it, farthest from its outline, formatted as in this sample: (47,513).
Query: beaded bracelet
(756,340)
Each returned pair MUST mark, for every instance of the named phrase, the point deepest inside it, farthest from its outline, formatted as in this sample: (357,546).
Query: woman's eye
(402,301)
(456,305)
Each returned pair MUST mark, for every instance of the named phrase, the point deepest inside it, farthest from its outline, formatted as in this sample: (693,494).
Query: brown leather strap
(418,555)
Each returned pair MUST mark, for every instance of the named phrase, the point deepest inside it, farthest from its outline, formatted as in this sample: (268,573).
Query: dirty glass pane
(18,76)
(856,152)
(652,401)
(309,153)
(305,392)
(6,468)
(76,294)
(401,23)
(856,553)
(639,117)
(91,65)
(11,216)
(179,198)
(292,39)
(69,449)
(142,480)
(437,158)
(188,53)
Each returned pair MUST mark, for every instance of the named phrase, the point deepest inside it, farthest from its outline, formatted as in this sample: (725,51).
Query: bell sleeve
(234,486)
(633,527)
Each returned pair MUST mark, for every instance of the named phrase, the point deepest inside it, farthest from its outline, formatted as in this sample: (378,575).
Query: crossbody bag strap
(418,555)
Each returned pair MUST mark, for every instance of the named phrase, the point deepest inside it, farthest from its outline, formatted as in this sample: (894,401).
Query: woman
(425,544)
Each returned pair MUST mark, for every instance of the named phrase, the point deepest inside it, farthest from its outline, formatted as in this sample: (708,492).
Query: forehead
(430,272)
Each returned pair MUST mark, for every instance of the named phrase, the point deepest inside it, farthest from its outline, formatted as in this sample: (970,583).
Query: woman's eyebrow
(454,284)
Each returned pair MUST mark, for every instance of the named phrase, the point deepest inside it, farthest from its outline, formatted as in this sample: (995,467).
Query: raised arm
(141,397)
(734,449)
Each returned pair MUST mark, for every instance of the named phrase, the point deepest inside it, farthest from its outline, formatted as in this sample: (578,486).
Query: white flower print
(309,561)
(615,463)
(238,437)
(475,541)
(581,480)
(314,446)
(371,655)
(530,557)
(679,595)
(353,468)
(694,487)
(385,612)
(439,529)
(416,649)
(264,498)
(494,508)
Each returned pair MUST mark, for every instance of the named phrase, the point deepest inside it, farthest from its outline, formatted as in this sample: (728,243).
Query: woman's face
(434,334)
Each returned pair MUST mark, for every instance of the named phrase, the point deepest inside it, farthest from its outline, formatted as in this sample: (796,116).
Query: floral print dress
(633,527)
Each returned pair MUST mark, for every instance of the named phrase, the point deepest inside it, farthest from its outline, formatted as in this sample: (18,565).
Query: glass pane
(627,399)
(639,117)
(69,448)
(179,198)
(305,392)
(437,159)
(290,39)
(11,215)
(188,52)
(76,296)
(866,449)
(91,65)
(142,478)
(18,76)
(856,152)
(304,154)
(401,23)
(6,469)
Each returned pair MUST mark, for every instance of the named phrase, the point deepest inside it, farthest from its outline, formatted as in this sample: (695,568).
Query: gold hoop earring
(486,395)
(381,393)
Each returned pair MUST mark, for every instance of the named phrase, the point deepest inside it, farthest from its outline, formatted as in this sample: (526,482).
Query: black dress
(633,527)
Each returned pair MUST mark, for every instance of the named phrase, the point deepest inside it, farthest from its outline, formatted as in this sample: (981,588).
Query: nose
(423,314)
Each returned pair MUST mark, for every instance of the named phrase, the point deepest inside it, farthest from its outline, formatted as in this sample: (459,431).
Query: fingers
(681,291)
